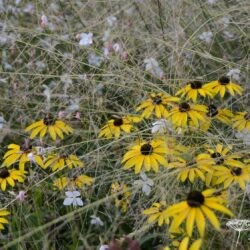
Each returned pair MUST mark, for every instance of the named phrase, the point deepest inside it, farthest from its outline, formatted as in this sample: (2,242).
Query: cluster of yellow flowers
(15,160)
(214,166)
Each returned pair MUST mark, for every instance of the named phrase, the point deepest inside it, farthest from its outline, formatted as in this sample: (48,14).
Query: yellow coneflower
(3,212)
(146,156)
(241,121)
(123,198)
(157,104)
(223,85)
(21,154)
(59,161)
(185,112)
(116,125)
(157,213)
(10,176)
(195,208)
(194,89)
(55,127)
(184,245)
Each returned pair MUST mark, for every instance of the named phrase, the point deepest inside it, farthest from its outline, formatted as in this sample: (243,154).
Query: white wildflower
(2,121)
(145,182)
(74,105)
(228,35)
(106,35)
(206,36)
(73,199)
(234,73)
(161,126)
(86,39)
(152,66)
(239,225)
(21,196)
(111,21)
(244,136)
(104,247)
(96,221)
(43,21)
(95,60)
(223,22)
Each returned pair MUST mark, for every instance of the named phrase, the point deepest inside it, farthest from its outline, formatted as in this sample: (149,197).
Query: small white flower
(111,21)
(239,225)
(2,121)
(95,60)
(146,183)
(21,196)
(96,221)
(211,1)
(206,36)
(152,66)
(86,39)
(161,126)
(228,35)
(31,157)
(223,22)
(72,199)
(104,247)
(234,73)
(43,21)
(244,136)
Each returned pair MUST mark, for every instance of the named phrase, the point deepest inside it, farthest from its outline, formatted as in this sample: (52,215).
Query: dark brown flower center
(118,122)
(49,120)
(146,149)
(196,84)
(247,116)
(4,173)
(184,107)
(157,100)
(120,197)
(224,80)
(218,159)
(212,111)
(236,171)
(195,199)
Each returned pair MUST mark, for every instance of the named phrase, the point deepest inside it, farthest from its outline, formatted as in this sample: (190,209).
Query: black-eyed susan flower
(216,114)
(116,125)
(157,213)
(231,175)
(223,85)
(184,113)
(241,121)
(184,244)
(221,155)
(3,213)
(21,154)
(146,155)
(10,176)
(194,89)
(59,161)
(195,208)
(157,104)
(189,170)
(122,199)
(55,128)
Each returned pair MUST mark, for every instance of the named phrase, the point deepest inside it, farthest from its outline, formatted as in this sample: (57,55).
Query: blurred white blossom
(244,136)
(21,196)
(73,199)
(228,35)
(223,22)
(95,60)
(96,221)
(86,39)
(206,36)
(152,66)
(211,1)
(104,247)
(111,21)
(234,73)
(43,21)
(161,126)
(145,183)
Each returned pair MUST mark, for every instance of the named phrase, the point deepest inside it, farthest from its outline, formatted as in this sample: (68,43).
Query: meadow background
(138,47)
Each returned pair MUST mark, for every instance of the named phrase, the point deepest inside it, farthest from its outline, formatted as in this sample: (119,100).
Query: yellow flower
(184,113)
(241,121)
(146,155)
(156,104)
(219,156)
(3,212)
(10,176)
(157,213)
(20,153)
(195,208)
(183,245)
(189,170)
(228,176)
(71,183)
(193,89)
(121,199)
(53,126)
(114,126)
(223,85)
(222,115)
(58,162)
